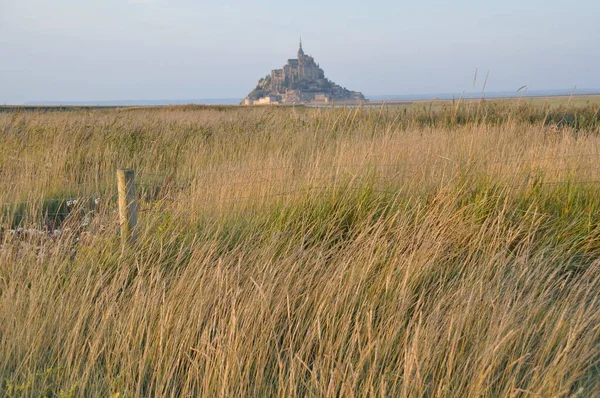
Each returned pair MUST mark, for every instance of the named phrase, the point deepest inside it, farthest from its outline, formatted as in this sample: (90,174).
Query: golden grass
(303,252)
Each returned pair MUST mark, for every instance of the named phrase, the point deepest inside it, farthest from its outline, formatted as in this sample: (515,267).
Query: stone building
(301,68)
(301,80)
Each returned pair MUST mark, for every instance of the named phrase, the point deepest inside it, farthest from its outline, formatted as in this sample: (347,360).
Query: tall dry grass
(449,251)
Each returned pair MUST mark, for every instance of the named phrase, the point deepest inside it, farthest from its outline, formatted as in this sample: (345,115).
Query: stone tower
(300,50)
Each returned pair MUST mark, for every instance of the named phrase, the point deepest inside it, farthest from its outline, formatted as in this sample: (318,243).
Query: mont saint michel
(300,81)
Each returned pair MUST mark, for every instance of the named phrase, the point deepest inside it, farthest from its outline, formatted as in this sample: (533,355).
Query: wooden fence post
(127,205)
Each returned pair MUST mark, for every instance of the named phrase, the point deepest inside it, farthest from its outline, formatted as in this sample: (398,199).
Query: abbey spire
(300,50)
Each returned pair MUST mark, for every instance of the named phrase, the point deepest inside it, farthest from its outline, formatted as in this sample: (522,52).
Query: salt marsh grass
(426,251)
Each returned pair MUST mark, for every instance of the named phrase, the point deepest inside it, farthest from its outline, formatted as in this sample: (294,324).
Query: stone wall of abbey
(302,68)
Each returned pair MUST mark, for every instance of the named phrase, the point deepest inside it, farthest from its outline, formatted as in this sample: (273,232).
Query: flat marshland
(449,250)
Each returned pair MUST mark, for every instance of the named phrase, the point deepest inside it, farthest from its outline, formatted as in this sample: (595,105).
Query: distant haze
(375,98)
(150,50)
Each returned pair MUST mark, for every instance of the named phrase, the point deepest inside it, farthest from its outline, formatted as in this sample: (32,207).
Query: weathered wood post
(127,205)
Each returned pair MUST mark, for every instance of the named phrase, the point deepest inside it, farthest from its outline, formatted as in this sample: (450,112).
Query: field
(574,101)
(432,250)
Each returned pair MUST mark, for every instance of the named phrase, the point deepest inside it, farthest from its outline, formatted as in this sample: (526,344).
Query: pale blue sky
(183,49)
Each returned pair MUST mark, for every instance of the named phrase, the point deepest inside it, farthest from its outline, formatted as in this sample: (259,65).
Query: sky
(82,50)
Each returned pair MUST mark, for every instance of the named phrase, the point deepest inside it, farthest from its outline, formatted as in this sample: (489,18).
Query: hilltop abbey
(300,81)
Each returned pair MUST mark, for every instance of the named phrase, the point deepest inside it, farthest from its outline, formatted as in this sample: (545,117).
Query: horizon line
(417,96)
